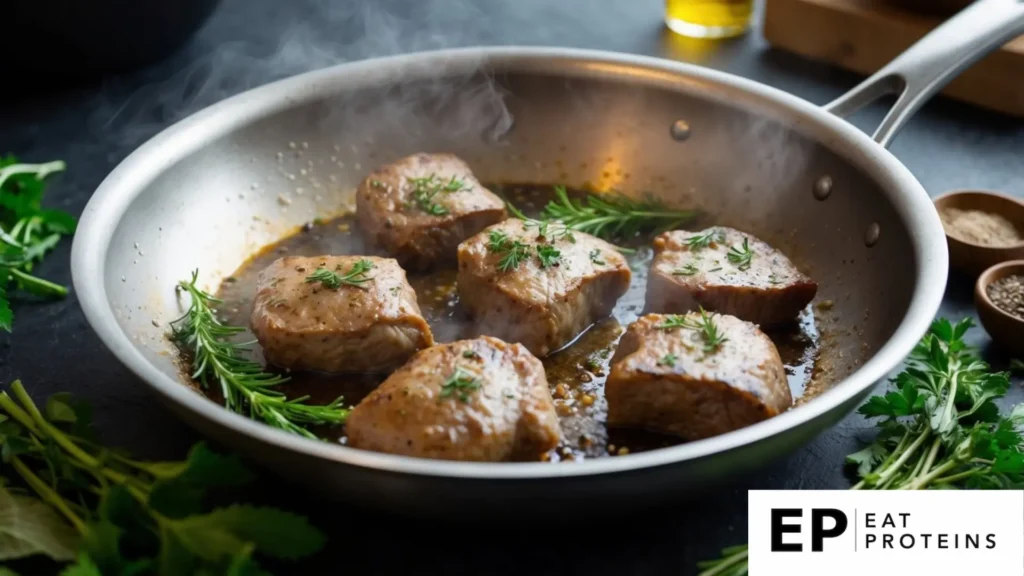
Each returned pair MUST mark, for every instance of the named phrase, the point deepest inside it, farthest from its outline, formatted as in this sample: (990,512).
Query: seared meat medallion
(727,271)
(419,208)
(695,376)
(337,314)
(538,284)
(480,400)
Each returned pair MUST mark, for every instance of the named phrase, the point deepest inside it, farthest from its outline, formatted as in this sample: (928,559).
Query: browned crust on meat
(292,317)
(701,394)
(510,417)
(389,217)
(541,308)
(771,292)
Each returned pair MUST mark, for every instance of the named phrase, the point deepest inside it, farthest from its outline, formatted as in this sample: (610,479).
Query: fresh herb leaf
(741,256)
(705,326)
(515,252)
(109,506)
(668,360)
(549,255)
(470,354)
(425,190)
(246,388)
(356,276)
(733,562)
(498,241)
(28,526)
(940,428)
(460,384)
(595,257)
(27,231)
(614,215)
(707,238)
(687,270)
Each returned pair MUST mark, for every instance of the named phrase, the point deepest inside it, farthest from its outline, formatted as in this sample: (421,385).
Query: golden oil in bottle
(708,18)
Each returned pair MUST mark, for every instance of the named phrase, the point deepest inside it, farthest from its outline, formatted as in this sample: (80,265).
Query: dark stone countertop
(249,42)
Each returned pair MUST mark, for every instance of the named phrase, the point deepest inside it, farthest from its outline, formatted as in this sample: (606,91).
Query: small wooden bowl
(1006,330)
(971,258)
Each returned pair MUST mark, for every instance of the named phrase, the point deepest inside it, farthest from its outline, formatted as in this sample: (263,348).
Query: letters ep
(781,527)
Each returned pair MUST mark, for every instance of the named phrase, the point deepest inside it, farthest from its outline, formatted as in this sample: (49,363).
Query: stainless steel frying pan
(212,189)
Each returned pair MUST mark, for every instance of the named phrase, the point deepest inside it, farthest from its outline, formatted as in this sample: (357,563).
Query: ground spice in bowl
(978,227)
(1007,294)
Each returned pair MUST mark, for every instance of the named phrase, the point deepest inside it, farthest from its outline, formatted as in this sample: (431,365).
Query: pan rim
(107,207)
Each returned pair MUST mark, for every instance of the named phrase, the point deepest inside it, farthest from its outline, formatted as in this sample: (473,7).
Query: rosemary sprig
(427,187)
(704,240)
(246,388)
(615,215)
(687,270)
(460,384)
(741,257)
(709,331)
(356,276)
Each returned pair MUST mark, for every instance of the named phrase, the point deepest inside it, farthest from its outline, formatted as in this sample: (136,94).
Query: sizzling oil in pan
(576,373)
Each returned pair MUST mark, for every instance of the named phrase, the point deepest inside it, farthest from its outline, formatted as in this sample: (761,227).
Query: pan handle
(933,61)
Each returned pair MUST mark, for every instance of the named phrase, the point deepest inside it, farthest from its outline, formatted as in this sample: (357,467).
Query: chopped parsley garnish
(595,257)
(548,255)
(470,354)
(741,256)
(459,384)
(668,360)
(356,276)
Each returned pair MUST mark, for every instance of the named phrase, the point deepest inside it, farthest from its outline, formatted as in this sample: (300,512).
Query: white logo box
(946,532)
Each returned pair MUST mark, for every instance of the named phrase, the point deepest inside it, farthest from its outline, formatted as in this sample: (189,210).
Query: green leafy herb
(732,563)
(706,327)
(246,388)
(513,251)
(773,279)
(548,255)
(687,270)
(376,183)
(470,354)
(698,241)
(425,190)
(741,256)
(28,526)
(938,428)
(595,257)
(668,360)
(460,384)
(27,231)
(127,516)
(615,215)
(356,276)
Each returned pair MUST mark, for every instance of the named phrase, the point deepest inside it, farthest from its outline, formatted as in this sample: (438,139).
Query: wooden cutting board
(863,35)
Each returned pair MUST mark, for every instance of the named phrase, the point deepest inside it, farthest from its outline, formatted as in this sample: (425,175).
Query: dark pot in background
(60,41)
(943,8)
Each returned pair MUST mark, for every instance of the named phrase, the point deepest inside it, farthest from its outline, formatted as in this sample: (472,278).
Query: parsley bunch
(27,231)
(940,428)
(127,516)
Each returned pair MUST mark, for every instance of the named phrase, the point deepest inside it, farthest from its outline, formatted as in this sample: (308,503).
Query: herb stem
(40,170)
(47,493)
(895,466)
(42,286)
(727,563)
